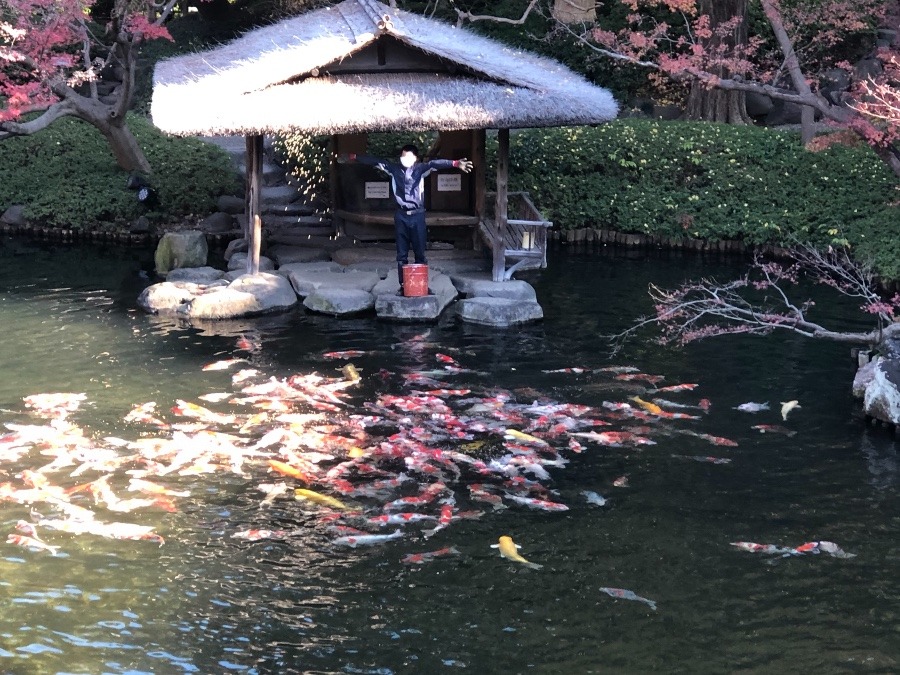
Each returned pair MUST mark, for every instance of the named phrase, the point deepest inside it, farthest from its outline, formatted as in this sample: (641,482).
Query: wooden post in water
(254,182)
(500,208)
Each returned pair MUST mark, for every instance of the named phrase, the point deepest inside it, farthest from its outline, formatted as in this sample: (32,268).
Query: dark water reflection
(207,603)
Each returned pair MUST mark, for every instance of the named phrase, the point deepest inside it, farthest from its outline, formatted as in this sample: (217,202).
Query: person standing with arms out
(408,184)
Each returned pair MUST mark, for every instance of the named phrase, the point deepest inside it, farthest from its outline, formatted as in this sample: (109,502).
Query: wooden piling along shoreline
(586,237)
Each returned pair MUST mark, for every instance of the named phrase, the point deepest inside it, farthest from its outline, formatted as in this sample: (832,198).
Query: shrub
(66,176)
(709,181)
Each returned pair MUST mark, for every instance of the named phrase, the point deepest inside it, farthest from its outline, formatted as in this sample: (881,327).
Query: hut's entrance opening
(363,198)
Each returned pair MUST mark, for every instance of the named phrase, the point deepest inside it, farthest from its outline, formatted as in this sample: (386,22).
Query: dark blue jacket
(408,184)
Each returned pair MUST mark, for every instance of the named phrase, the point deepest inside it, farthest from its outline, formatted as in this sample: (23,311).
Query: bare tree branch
(462,17)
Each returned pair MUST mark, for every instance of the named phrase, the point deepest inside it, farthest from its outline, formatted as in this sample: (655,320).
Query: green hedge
(710,181)
(66,176)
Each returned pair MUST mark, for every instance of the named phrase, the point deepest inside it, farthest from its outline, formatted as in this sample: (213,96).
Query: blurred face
(407,159)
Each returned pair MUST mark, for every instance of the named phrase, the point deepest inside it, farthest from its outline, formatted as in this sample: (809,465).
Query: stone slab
(479,286)
(305,282)
(284,254)
(339,301)
(498,312)
(390,305)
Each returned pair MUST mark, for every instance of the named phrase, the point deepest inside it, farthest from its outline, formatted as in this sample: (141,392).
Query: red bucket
(415,280)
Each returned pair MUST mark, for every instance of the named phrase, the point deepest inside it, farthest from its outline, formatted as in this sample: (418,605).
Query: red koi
(420,558)
(347,354)
(443,358)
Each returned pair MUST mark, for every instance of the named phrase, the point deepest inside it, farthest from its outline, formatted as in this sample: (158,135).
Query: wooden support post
(807,124)
(500,208)
(254,182)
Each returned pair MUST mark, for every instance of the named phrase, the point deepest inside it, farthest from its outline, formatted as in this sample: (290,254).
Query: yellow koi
(522,436)
(646,405)
(318,498)
(509,550)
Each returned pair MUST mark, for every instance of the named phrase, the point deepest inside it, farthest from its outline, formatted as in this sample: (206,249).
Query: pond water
(208,602)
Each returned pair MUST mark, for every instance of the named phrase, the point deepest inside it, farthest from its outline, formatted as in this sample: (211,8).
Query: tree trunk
(124,145)
(715,105)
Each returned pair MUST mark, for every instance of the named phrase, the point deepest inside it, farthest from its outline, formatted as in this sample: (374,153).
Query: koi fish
(443,358)
(216,397)
(575,371)
(621,481)
(625,594)
(509,550)
(256,535)
(774,429)
(614,437)
(751,407)
(354,540)
(318,498)
(526,438)
(448,392)
(199,412)
(702,458)
(478,493)
(715,440)
(288,470)
(646,405)
(347,354)
(640,377)
(787,406)
(222,365)
(594,498)
(420,558)
(145,486)
(397,519)
(31,542)
(350,373)
(678,387)
(534,503)
(617,369)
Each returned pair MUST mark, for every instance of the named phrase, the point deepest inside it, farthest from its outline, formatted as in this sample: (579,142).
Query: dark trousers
(411,234)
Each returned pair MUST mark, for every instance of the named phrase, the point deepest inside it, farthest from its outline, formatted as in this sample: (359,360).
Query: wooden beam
(254,222)
(500,214)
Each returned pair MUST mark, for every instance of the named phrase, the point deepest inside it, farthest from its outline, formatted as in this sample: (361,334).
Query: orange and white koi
(397,519)
(574,371)
(147,487)
(614,438)
(678,387)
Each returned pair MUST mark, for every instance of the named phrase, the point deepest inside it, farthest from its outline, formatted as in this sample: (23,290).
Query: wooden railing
(524,236)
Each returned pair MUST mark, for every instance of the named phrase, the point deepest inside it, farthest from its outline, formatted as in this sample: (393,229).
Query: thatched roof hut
(360,66)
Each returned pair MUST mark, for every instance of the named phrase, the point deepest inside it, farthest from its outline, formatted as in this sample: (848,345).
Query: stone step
(294,209)
(292,224)
(279,194)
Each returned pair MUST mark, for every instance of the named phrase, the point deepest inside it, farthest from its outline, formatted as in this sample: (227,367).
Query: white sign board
(377,190)
(449,182)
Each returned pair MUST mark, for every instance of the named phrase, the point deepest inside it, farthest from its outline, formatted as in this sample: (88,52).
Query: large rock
(217,223)
(238,261)
(245,296)
(339,301)
(498,312)
(181,249)
(476,286)
(863,379)
(14,215)
(197,275)
(882,395)
(758,104)
(230,204)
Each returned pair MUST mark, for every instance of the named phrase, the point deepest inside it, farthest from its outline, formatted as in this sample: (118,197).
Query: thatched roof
(279,78)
